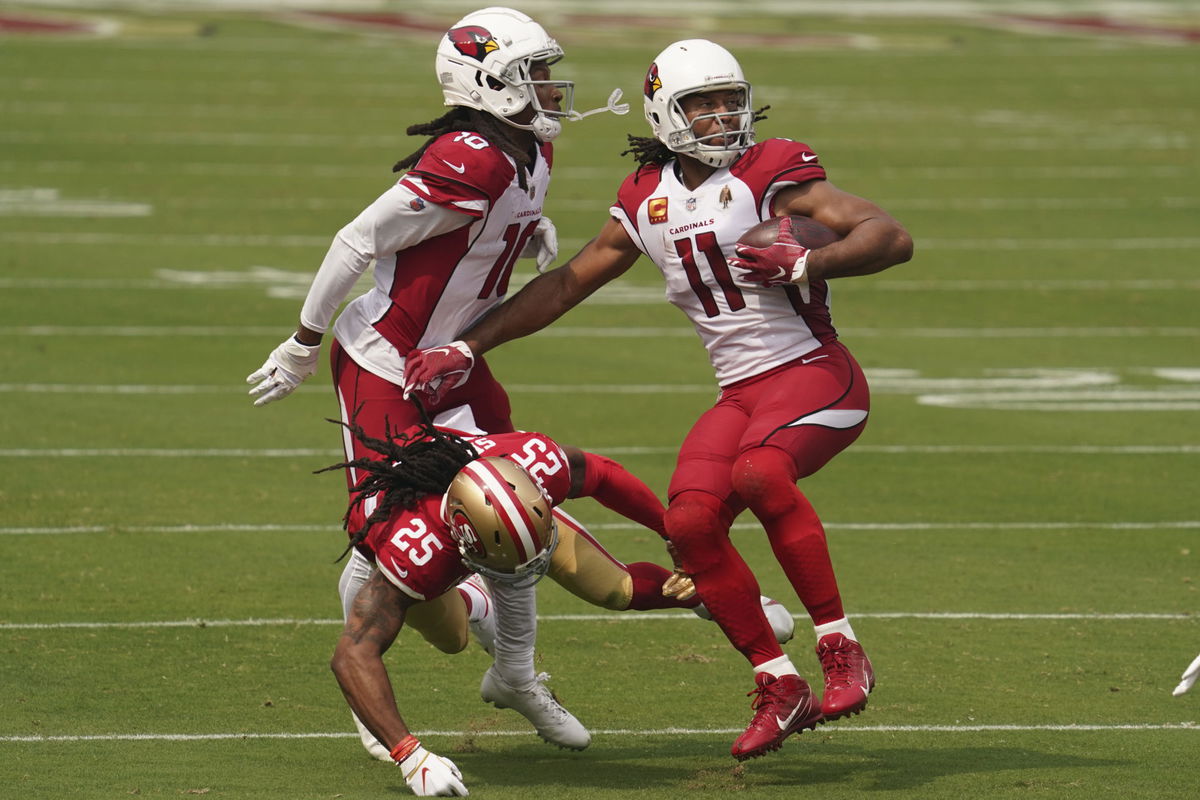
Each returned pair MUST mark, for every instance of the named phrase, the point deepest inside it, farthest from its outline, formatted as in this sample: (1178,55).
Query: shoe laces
(545,695)
(837,662)
(763,693)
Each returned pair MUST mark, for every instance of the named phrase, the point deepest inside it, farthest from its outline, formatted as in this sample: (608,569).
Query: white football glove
(542,244)
(430,775)
(1189,678)
(284,370)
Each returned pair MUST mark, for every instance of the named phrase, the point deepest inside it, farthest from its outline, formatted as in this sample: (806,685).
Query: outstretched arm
(433,372)
(375,619)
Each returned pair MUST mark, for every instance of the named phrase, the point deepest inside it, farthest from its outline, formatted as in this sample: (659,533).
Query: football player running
(434,506)
(443,241)
(792,396)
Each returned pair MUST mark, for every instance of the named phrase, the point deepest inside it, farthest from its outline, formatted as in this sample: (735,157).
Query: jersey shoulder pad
(466,160)
(636,187)
(775,158)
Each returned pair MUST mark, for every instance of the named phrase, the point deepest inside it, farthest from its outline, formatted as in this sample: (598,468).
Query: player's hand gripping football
(430,775)
(679,585)
(431,373)
(542,245)
(783,262)
(284,370)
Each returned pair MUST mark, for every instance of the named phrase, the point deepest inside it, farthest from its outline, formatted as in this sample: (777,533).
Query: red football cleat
(848,676)
(784,705)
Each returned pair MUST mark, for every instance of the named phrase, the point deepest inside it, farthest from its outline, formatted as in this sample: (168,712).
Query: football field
(1016,534)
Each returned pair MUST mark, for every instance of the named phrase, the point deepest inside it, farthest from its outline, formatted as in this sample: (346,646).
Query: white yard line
(647,332)
(839,728)
(643,616)
(314,452)
(872,527)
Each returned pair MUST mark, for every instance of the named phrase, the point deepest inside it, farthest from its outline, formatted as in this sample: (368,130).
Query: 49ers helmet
(501,521)
(687,67)
(484,62)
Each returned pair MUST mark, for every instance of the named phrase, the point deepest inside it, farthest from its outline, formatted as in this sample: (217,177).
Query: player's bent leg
(583,567)
(442,621)
(511,682)
(698,524)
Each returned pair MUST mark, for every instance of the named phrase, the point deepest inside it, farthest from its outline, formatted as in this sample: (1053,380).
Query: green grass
(1050,184)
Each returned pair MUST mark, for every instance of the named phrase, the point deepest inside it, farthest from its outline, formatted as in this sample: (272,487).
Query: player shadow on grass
(694,765)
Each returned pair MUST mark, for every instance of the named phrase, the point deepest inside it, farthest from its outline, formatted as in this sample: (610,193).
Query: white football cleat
(538,705)
(780,619)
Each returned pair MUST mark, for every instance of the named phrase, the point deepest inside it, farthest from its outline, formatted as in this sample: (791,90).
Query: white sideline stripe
(652,292)
(613,616)
(843,728)
(631,526)
(1098,244)
(879,449)
(561,332)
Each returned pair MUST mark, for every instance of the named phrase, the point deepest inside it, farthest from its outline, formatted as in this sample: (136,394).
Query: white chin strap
(614,105)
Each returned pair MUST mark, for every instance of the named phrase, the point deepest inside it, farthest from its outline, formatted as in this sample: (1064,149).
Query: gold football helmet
(502,521)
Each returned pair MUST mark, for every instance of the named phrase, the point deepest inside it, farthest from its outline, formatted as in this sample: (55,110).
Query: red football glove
(784,262)
(431,373)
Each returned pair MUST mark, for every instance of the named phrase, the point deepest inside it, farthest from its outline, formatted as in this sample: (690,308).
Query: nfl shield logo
(690,204)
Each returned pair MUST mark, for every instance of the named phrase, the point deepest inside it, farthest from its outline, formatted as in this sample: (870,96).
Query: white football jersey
(690,234)
(430,291)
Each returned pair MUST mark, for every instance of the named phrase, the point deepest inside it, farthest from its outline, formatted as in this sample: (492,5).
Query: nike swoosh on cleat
(784,723)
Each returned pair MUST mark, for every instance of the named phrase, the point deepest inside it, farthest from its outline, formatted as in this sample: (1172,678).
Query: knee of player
(619,597)
(692,519)
(765,479)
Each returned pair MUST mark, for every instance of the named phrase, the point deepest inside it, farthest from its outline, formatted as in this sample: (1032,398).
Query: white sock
(841,626)
(477,601)
(777,667)
(516,633)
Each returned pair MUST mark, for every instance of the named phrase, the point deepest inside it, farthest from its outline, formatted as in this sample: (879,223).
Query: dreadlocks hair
(461,118)
(647,150)
(412,466)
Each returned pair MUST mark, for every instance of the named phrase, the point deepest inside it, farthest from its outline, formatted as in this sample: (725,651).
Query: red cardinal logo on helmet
(653,82)
(472,41)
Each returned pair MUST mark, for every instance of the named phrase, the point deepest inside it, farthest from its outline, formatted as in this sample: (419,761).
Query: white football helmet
(688,67)
(484,62)
(502,521)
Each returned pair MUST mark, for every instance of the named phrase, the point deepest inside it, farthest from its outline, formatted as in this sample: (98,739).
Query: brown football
(808,232)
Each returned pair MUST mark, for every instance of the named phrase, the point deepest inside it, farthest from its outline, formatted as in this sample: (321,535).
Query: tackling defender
(435,505)
(792,396)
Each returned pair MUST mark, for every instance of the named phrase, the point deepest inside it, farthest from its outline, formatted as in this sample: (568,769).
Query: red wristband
(405,748)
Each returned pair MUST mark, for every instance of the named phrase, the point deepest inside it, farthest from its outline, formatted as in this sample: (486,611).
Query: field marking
(343,141)
(627,526)
(591,174)
(617,291)
(875,449)
(841,728)
(1092,245)
(613,616)
(675,332)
